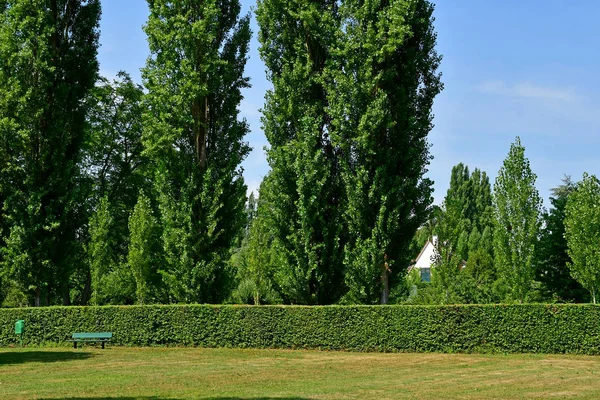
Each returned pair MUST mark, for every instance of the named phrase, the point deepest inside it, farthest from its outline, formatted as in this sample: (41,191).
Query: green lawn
(186,373)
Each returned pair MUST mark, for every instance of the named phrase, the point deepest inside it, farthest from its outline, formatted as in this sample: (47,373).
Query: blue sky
(510,68)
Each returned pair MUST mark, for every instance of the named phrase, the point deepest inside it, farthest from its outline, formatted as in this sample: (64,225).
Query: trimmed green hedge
(530,328)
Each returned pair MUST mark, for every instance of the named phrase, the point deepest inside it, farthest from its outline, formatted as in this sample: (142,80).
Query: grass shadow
(171,398)
(23,357)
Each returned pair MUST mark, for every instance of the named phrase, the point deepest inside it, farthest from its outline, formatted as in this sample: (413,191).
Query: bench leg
(74,345)
(102,345)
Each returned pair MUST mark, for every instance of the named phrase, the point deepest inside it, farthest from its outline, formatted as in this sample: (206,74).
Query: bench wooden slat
(92,335)
(101,337)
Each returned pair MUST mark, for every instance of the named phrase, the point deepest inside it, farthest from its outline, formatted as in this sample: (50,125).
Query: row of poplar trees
(112,192)
(347,123)
(502,245)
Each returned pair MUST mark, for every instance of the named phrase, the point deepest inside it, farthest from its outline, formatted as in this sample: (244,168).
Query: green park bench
(101,337)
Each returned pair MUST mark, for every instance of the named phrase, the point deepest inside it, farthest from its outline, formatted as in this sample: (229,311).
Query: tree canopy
(114,192)
(517,211)
(194,139)
(47,68)
(347,121)
(582,231)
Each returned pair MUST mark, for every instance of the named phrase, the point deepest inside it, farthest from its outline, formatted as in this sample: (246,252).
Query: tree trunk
(256,298)
(66,295)
(85,297)
(200,115)
(385,282)
(38,296)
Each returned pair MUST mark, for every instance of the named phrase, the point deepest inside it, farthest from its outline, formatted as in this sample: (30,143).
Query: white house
(424,261)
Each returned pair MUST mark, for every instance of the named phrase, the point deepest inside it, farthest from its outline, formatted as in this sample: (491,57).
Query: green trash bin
(20,329)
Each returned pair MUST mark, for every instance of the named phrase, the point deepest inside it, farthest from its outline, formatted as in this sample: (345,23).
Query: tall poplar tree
(517,209)
(305,185)
(464,235)
(383,87)
(471,194)
(347,121)
(195,140)
(47,66)
(100,250)
(582,231)
(143,258)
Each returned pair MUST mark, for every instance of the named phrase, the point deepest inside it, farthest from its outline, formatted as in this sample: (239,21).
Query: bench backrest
(92,335)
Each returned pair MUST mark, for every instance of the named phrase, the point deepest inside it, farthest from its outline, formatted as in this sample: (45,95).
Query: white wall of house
(424,262)
(424,259)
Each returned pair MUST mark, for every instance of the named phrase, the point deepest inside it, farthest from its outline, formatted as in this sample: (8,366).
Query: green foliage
(194,139)
(113,154)
(531,328)
(447,258)
(464,230)
(117,171)
(256,261)
(468,202)
(517,211)
(480,278)
(582,231)
(144,247)
(552,269)
(114,148)
(119,286)
(347,121)
(13,295)
(110,279)
(305,182)
(383,87)
(418,291)
(47,67)
(100,248)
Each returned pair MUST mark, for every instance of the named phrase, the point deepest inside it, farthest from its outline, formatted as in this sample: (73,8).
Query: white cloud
(528,90)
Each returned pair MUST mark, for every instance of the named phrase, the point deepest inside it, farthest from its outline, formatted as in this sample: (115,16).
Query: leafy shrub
(529,328)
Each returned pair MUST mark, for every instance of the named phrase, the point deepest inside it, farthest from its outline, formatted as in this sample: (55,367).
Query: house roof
(431,241)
